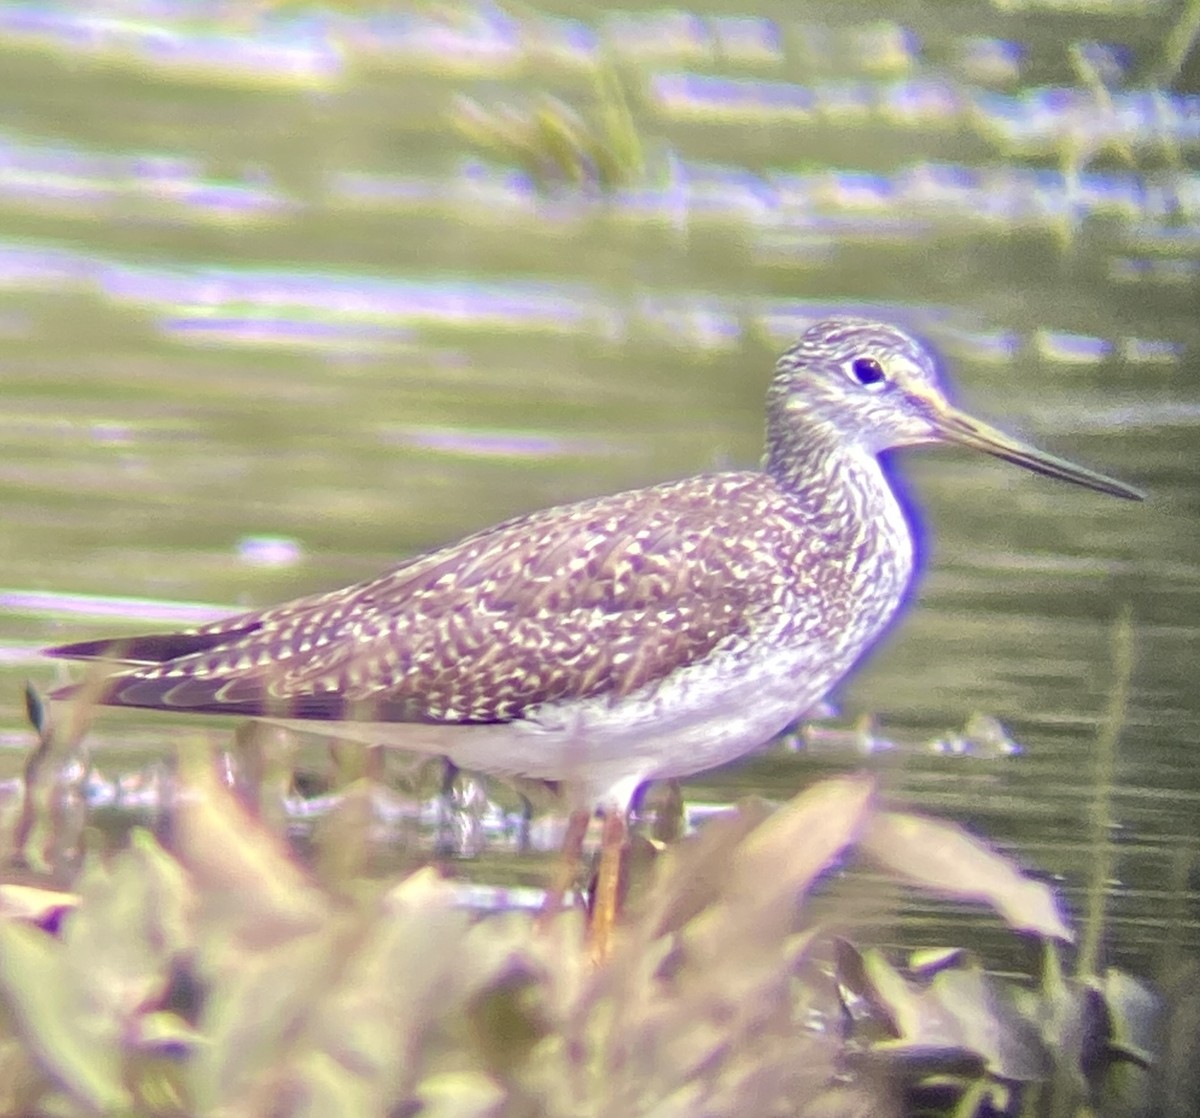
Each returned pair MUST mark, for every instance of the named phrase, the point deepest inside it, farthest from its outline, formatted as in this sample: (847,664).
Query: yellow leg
(607,898)
(568,865)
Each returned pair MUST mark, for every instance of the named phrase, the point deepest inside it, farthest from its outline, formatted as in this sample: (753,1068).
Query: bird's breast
(848,573)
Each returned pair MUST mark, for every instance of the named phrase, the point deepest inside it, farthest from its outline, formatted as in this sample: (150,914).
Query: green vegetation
(555,144)
(208,971)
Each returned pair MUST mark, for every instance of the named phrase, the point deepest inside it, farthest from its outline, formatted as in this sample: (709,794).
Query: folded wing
(599,598)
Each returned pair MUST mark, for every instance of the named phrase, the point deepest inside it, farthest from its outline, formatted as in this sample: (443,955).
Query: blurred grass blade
(1104,857)
(43,907)
(461,1094)
(797,843)
(143,893)
(945,859)
(379,995)
(244,875)
(258,1001)
(77,1049)
(777,863)
(693,873)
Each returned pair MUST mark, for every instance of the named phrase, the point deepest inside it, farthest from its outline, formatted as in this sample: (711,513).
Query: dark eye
(867,371)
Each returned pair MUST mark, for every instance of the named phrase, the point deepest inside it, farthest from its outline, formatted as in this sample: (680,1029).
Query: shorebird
(602,644)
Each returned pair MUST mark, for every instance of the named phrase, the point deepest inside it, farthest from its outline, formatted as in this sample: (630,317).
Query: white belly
(707,715)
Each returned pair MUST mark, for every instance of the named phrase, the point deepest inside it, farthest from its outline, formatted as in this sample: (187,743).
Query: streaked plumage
(652,633)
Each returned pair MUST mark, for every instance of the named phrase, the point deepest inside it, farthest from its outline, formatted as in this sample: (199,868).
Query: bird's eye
(868,372)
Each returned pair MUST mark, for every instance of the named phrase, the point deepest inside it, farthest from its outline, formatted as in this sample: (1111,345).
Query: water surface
(270,323)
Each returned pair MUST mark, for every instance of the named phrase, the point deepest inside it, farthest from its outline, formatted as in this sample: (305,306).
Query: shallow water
(270,323)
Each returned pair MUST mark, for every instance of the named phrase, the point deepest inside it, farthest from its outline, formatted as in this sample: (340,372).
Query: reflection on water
(273,319)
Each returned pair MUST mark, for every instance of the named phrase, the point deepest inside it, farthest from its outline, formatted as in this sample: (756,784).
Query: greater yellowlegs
(601,644)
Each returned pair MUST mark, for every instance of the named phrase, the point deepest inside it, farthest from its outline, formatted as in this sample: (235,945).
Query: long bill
(958,427)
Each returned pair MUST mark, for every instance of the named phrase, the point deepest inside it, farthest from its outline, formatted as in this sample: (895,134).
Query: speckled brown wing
(598,598)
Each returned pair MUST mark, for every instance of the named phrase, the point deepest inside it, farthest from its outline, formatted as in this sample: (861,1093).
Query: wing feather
(599,598)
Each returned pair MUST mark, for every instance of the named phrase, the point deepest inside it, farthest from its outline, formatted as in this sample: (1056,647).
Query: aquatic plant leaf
(507,986)
(507,1024)
(371,1020)
(691,1005)
(865,997)
(1120,1070)
(945,859)
(257,1000)
(78,1049)
(22,1082)
(917,1015)
(990,1024)
(692,873)
(43,907)
(799,841)
(557,951)
(133,920)
(770,872)
(704,1020)
(167,1033)
(460,1094)
(1134,1013)
(321,1088)
(341,1013)
(503,947)
(925,962)
(1070,1016)
(247,882)
(916,1063)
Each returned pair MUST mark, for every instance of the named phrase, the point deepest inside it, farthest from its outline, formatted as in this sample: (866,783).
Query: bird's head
(860,383)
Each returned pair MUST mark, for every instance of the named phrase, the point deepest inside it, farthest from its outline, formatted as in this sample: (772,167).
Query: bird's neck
(814,462)
(838,484)
(842,493)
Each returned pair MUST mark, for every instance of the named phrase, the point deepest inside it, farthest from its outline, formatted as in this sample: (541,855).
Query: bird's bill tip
(957,427)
